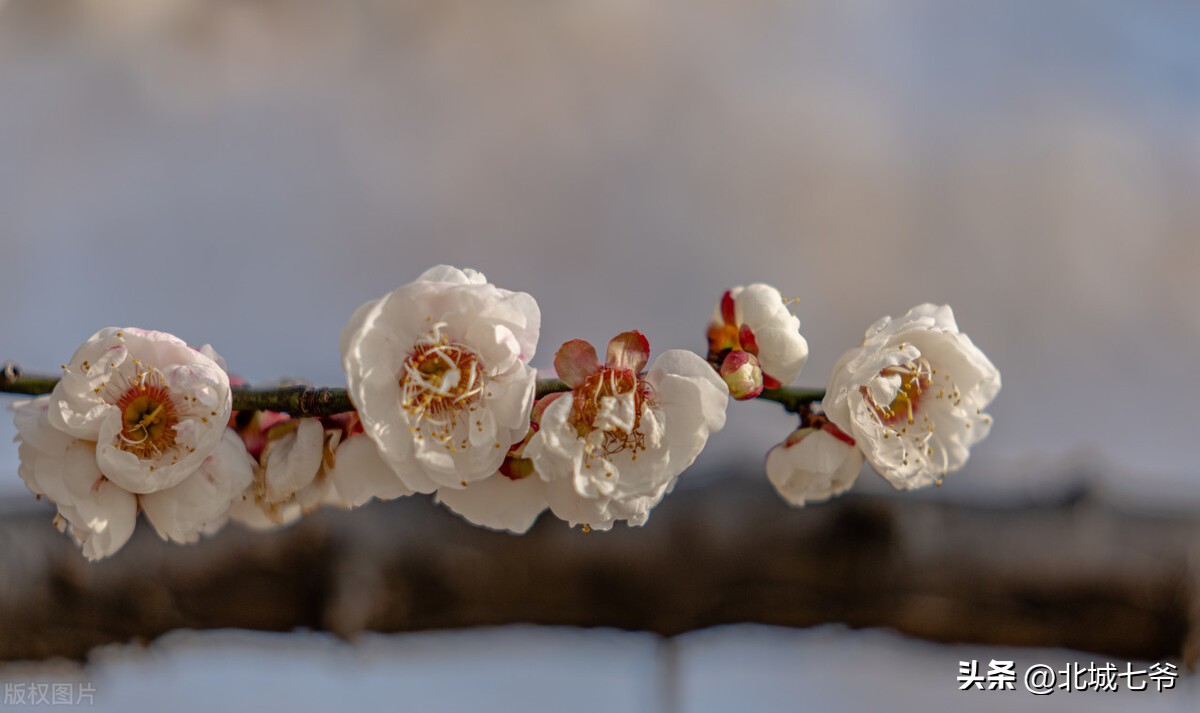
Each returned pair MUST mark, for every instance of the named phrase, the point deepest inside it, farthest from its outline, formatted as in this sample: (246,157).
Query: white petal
(481,430)
(511,400)
(495,344)
(758,305)
(569,505)
(940,317)
(817,468)
(520,314)
(292,461)
(79,398)
(452,275)
(693,398)
(201,502)
(359,473)
(247,511)
(101,515)
(783,352)
(498,502)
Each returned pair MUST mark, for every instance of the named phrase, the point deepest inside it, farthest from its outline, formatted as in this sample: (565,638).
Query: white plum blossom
(137,421)
(913,396)
(814,464)
(291,477)
(154,407)
(439,372)
(611,448)
(756,319)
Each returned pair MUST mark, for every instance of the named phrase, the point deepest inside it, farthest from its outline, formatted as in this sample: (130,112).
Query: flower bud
(743,374)
(756,319)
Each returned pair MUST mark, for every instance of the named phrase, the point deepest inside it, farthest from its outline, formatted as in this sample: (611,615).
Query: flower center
(607,410)
(438,380)
(148,416)
(915,378)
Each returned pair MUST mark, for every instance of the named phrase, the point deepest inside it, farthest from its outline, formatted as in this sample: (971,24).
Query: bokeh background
(247,172)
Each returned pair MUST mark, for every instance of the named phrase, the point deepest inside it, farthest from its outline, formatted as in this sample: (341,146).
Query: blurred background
(247,172)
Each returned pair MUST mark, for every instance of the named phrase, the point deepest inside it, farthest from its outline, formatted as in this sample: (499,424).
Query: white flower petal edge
(155,407)
(359,473)
(812,466)
(913,396)
(99,515)
(498,503)
(291,463)
(294,475)
(200,504)
(439,373)
(589,482)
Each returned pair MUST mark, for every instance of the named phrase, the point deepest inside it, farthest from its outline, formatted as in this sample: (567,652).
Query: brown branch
(1073,574)
(299,401)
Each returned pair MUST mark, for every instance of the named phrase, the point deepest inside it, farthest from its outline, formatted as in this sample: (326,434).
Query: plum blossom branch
(310,401)
(441,400)
(300,401)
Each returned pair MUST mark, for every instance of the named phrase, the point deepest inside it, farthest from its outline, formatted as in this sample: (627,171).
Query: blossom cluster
(446,403)
(910,400)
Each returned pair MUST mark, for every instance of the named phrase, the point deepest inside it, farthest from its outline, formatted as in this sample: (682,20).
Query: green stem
(326,401)
(28,385)
(793,398)
(545,387)
(294,400)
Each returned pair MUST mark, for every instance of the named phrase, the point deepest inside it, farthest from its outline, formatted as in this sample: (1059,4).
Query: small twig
(12,381)
(328,401)
(793,398)
(545,387)
(294,400)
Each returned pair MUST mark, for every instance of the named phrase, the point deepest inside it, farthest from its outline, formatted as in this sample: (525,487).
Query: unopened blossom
(742,374)
(137,421)
(913,396)
(291,476)
(612,447)
(439,372)
(756,319)
(511,499)
(814,464)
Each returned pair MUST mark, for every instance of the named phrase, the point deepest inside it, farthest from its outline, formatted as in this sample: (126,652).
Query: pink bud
(743,374)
